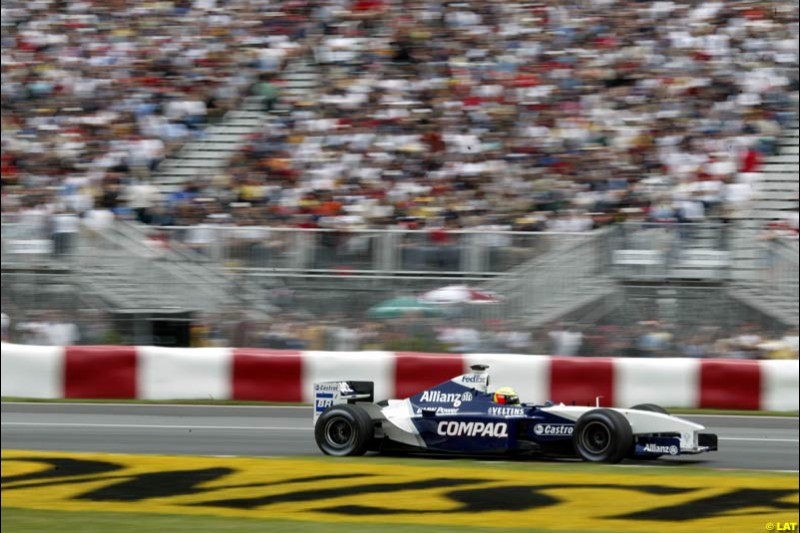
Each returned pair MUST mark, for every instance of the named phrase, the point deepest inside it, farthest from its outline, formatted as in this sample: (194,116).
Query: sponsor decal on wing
(326,387)
(657,446)
(323,401)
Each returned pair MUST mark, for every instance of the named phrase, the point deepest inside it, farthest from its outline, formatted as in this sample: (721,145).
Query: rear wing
(329,393)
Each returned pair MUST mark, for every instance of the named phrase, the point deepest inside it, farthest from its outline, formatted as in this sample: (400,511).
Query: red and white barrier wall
(156,373)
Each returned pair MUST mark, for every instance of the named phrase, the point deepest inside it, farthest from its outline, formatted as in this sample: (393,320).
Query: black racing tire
(344,430)
(650,407)
(603,436)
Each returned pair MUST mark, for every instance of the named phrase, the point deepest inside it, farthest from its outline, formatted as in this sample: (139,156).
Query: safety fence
(485,250)
(157,373)
(640,250)
(134,284)
(781,265)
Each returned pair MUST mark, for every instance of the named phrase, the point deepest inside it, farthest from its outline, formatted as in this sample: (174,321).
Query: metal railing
(467,252)
(208,252)
(114,265)
(572,272)
(781,279)
(657,251)
(328,273)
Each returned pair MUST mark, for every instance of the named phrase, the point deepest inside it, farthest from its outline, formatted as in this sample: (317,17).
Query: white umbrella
(459,294)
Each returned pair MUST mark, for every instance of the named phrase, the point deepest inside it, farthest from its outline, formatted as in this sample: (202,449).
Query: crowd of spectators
(526,115)
(550,115)
(425,114)
(95,94)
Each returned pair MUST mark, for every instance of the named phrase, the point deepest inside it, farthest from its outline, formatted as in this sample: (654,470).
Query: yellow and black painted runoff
(503,495)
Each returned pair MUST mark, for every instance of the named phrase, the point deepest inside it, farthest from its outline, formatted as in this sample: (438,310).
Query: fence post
(385,253)
(473,252)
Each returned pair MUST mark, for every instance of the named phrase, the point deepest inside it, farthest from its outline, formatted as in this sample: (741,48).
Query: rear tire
(650,407)
(603,436)
(344,430)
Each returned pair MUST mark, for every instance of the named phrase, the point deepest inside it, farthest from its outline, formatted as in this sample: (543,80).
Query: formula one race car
(460,416)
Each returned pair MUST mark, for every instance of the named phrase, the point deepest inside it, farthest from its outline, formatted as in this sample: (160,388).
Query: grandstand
(279,166)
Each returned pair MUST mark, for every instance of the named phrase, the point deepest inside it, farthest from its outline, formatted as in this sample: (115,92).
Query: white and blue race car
(461,416)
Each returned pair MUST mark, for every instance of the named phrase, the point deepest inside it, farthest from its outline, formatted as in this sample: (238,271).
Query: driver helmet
(505,396)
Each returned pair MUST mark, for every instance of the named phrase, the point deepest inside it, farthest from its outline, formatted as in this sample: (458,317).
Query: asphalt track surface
(749,442)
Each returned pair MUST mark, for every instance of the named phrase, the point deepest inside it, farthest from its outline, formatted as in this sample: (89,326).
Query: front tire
(344,430)
(603,436)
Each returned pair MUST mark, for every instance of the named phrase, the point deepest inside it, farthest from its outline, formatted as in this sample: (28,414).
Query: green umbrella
(405,305)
